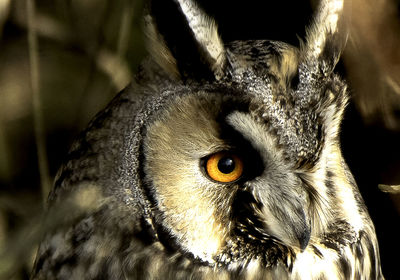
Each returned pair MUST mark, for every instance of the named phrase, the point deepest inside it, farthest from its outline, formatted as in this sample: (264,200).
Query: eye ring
(224,167)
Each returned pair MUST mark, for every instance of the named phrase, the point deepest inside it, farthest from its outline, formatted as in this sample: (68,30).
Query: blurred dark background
(89,50)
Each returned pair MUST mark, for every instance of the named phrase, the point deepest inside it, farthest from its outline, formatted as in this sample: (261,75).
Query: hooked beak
(302,231)
(285,218)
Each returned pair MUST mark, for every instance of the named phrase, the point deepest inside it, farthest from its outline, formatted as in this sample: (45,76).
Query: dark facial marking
(345,267)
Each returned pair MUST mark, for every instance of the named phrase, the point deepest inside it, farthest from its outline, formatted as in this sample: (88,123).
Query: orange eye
(224,167)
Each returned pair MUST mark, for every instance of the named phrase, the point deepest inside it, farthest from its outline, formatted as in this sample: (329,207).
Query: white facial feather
(310,266)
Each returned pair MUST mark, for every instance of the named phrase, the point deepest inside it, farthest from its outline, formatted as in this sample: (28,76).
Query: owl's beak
(287,220)
(296,231)
(303,232)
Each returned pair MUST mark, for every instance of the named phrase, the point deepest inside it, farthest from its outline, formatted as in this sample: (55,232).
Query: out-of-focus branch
(373,60)
(4,11)
(377,25)
(108,62)
(394,189)
(37,106)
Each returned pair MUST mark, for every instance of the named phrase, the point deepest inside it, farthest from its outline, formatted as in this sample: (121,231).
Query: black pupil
(226,165)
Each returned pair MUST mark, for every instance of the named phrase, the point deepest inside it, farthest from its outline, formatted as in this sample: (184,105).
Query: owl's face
(242,160)
(218,178)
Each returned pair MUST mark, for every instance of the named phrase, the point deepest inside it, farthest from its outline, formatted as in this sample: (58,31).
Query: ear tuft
(205,31)
(327,36)
(184,41)
(158,49)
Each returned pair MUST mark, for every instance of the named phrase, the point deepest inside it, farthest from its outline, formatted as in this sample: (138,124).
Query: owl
(221,160)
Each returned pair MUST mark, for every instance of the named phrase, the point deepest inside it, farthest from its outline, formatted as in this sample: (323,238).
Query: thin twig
(393,189)
(36,102)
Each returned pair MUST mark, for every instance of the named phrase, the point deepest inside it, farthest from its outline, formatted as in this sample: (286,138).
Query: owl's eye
(224,167)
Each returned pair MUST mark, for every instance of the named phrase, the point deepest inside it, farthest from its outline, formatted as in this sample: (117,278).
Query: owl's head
(241,150)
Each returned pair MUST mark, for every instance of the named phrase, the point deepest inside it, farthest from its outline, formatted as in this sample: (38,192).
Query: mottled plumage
(142,202)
